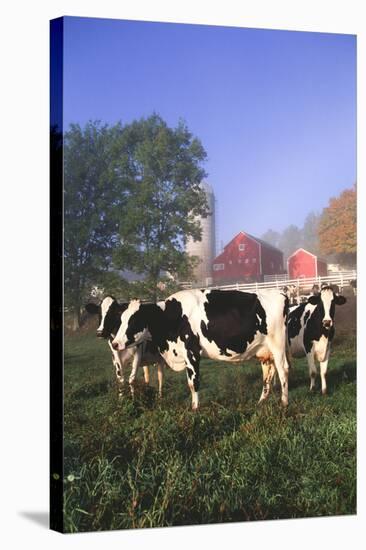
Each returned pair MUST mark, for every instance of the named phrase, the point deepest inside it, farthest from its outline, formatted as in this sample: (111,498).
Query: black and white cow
(310,328)
(109,312)
(229,326)
(293,293)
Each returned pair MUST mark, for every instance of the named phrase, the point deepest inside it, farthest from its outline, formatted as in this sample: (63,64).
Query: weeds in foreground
(149,463)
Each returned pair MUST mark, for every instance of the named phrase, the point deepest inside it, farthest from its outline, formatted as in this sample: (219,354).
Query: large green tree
(93,196)
(132,194)
(163,167)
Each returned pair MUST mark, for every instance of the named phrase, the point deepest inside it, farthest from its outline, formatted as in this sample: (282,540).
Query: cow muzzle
(117,346)
(327,323)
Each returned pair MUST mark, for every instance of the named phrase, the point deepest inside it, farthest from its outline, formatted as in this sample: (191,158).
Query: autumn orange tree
(337,227)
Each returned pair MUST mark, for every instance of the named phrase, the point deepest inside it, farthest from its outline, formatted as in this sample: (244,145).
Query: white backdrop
(24,248)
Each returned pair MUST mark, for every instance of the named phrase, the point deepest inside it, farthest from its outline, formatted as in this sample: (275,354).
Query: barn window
(254,260)
(218,267)
(230,262)
(241,247)
(247,260)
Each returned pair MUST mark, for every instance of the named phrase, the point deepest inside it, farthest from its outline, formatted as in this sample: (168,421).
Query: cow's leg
(193,386)
(312,369)
(118,366)
(135,365)
(146,375)
(119,376)
(268,371)
(323,371)
(160,379)
(282,368)
(193,377)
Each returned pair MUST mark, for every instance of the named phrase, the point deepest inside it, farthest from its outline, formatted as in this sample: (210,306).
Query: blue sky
(275,110)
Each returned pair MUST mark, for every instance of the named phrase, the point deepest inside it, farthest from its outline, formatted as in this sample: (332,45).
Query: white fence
(303,285)
(272,278)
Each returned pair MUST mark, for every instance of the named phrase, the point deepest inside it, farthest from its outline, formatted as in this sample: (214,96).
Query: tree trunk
(153,279)
(76,319)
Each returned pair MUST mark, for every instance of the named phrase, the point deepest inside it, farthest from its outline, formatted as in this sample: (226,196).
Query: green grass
(151,462)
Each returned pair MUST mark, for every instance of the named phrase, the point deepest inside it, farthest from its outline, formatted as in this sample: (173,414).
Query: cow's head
(133,328)
(109,313)
(326,300)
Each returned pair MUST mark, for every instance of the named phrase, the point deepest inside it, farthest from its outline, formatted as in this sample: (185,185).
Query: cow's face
(133,328)
(326,301)
(108,315)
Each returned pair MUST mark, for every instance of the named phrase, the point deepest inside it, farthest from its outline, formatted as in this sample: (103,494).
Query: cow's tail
(288,352)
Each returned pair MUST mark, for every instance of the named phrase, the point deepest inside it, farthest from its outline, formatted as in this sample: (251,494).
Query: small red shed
(303,264)
(246,258)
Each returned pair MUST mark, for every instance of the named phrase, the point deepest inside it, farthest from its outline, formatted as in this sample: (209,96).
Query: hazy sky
(275,110)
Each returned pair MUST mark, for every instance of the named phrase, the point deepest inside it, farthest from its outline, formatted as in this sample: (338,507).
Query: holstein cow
(310,329)
(109,312)
(292,292)
(223,325)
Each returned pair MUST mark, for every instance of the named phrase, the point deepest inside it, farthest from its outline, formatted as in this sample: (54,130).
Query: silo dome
(206,248)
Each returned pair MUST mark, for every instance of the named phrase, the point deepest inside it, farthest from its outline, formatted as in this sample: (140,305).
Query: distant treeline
(330,233)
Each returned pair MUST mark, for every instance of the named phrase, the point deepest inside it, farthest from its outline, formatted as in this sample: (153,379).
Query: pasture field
(151,462)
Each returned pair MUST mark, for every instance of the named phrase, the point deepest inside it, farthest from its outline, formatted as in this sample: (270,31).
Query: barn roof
(307,252)
(259,241)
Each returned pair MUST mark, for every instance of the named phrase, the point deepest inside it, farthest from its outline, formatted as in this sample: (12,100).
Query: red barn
(302,264)
(246,258)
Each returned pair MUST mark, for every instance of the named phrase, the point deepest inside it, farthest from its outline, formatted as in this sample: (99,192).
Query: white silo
(206,248)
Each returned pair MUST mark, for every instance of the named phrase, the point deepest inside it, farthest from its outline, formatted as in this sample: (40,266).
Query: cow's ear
(340,300)
(91,308)
(314,300)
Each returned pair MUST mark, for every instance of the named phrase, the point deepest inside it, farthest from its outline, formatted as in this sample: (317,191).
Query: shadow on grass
(336,377)
(344,374)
